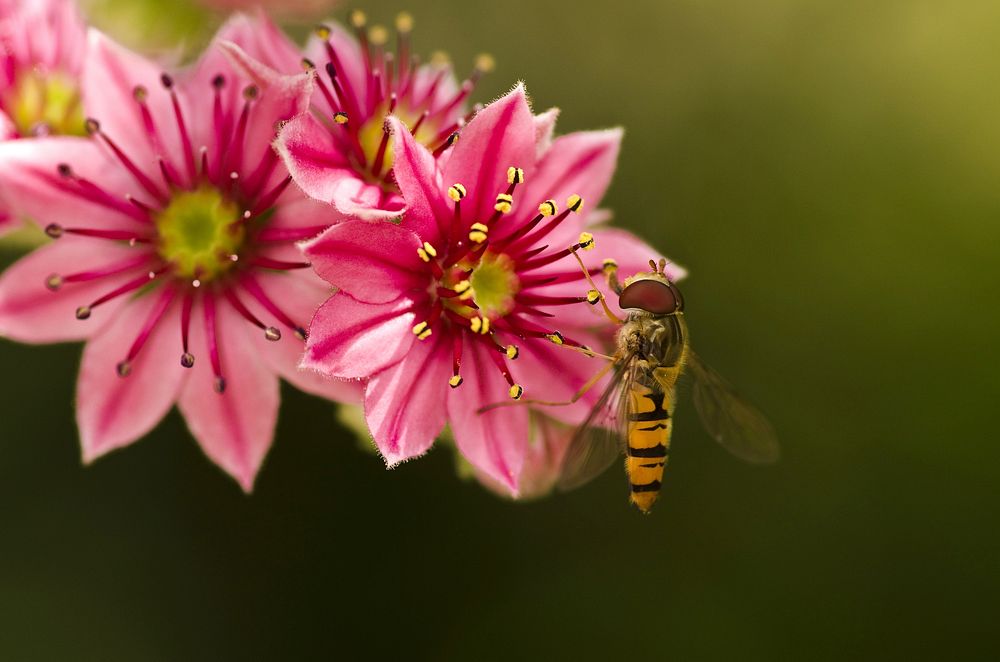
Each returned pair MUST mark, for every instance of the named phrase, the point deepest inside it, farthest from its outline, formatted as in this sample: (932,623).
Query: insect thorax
(656,341)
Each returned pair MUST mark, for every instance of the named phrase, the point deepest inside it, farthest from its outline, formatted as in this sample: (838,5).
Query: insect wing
(737,425)
(600,439)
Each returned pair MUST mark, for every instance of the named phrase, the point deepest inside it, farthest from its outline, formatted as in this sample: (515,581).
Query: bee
(652,351)
(634,414)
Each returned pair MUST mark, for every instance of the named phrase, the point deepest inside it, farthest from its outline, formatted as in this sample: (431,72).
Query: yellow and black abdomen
(649,428)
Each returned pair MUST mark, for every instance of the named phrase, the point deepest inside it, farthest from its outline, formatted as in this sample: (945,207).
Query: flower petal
(580,163)
(548,442)
(496,441)
(351,60)
(403,403)
(298,294)
(262,40)
(234,428)
(545,126)
(111,75)
(354,340)
(33,188)
(499,136)
(374,262)
(420,182)
(31,312)
(114,411)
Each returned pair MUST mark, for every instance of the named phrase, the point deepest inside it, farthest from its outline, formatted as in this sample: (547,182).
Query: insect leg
(547,403)
(594,293)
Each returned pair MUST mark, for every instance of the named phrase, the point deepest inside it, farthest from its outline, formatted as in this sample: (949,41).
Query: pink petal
(354,340)
(114,411)
(111,74)
(404,403)
(496,441)
(262,40)
(234,428)
(545,126)
(356,197)
(297,212)
(580,163)
(374,262)
(7,129)
(549,441)
(298,294)
(499,136)
(420,182)
(31,312)
(315,160)
(33,188)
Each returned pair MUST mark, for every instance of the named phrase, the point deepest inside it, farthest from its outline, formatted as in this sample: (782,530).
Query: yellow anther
(515,175)
(574,203)
(504,203)
(513,352)
(456,192)
(464,290)
(358,18)
(404,21)
(486,326)
(323,32)
(455,381)
(426,334)
(475,324)
(422,254)
(422,330)
(556,338)
(586,241)
(340,117)
(548,208)
(440,59)
(477,233)
(485,62)
(308,64)
(516,391)
(430,249)
(378,35)
(609,264)
(593,297)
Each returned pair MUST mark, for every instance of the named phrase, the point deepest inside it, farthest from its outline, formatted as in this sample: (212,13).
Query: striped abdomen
(649,427)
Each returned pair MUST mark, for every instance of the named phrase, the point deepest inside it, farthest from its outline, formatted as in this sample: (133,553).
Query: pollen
(341,118)
(323,32)
(455,381)
(556,338)
(378,35)
(593,297)
(504,203)
(609,264)
(478,232)
(515,175)
(422,331)
(464,290)
(512,352)
(480,325)
(516,391)
(404,22)
(427,252)
(548,208)
(574,203)
(586,241)
(358,18)
(456,192)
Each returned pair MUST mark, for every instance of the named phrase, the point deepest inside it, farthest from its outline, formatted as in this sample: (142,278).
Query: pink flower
(479,272)
(340,152)
(41,50)
(289,8)
(175,228)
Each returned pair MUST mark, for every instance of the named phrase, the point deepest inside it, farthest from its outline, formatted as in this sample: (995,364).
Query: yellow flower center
(371,132)
(200,234)
(495,283)
(41,104)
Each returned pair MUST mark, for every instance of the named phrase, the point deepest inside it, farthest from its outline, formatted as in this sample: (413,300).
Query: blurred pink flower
(41,52)
(175,228)
(285,8)
(340,152)
(477,274)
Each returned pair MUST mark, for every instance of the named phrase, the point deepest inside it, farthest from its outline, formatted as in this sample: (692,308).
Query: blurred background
(826,170)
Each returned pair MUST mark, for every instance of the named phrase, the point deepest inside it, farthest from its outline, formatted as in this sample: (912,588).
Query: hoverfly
(634,414)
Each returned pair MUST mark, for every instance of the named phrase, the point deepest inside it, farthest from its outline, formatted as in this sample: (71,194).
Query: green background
(828,172)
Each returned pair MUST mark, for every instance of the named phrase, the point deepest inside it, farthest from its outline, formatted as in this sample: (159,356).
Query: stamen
(456,192)
(91,192)
(281,265)
(125,367)
(515,175)
(478,233)
(456,361)
(93,127)
(267,200)
(270,332)
(251,285)
(187,358)
(422,331)
(83,312)
(452,139)
(213,345)
(55,281)
(548,208)
(168,83)
(504,203)
(55,231)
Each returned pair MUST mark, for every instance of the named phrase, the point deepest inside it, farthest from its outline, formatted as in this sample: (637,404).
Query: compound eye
(653,296)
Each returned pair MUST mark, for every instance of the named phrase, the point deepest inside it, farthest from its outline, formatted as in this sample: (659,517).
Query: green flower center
(495,282)
(200,234)
(41,104)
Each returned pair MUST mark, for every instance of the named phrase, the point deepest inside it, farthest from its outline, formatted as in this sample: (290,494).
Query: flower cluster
(335,215)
